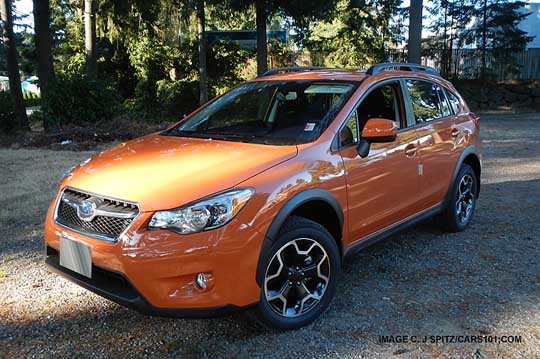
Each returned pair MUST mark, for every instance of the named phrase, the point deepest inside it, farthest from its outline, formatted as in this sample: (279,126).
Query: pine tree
(488,25)
(356,34)
(300,11)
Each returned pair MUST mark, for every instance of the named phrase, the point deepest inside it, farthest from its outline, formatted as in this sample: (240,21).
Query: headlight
(207,214)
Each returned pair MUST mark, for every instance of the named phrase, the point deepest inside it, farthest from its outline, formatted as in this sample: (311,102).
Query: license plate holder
(76,256)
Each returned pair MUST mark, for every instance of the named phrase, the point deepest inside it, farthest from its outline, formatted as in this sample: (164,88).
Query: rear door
(382,187)
(440,139)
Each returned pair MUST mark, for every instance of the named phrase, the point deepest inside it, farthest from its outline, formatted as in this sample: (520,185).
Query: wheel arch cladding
(472,160)
(470,157)
(315,204)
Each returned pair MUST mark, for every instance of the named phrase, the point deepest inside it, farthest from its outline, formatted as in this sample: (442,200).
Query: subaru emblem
(86,210)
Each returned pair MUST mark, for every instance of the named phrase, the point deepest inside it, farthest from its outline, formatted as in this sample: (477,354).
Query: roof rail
(403,66)
(280,70)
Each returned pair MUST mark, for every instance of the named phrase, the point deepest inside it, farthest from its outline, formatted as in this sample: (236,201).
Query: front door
(382,187)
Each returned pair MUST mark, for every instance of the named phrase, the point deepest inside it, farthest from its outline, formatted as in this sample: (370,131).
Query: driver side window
(381,102)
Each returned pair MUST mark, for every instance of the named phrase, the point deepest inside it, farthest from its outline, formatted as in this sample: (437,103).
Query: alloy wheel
(297,277)
(465,198)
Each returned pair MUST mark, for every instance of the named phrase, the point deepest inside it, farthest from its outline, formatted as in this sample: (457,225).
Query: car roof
(322,74)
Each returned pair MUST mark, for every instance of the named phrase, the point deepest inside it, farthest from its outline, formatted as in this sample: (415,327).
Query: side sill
(384,233)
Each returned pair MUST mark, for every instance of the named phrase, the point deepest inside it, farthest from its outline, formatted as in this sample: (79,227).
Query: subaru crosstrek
(256,198)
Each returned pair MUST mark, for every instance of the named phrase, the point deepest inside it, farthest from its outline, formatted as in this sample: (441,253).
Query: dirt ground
(482,282)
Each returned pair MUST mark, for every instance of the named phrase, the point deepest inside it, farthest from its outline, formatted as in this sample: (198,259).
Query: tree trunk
(43,38)
(451,42)
(203,70)
(444,60)
(484,40)
(415,31)
(13,66)
(90,37)
(262,51)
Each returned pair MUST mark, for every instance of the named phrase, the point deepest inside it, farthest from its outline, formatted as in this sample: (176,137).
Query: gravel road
(482,282)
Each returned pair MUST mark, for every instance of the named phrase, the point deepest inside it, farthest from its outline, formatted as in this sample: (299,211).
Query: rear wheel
(460,208)
(300,275)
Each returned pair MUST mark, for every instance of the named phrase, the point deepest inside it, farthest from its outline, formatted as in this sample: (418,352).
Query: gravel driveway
(484,281)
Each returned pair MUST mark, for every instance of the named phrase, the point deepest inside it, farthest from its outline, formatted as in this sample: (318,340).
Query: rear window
(428,101)
(445,107)
(454,102)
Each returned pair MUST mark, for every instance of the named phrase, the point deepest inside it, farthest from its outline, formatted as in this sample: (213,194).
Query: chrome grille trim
(112,219)
(107,209)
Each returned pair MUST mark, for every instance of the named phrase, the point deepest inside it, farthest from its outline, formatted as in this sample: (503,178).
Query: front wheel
(460,207)
(300,275)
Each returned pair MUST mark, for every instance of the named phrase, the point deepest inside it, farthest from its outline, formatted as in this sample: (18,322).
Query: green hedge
(177,98)
(78,100)
(7,112)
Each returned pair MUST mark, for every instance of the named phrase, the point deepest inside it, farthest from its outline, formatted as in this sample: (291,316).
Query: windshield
(270,112)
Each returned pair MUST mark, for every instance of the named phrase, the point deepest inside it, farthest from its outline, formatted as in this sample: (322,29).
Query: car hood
(163,172)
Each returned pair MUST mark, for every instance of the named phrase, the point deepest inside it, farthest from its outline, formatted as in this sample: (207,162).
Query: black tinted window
(381,102)
(425,100)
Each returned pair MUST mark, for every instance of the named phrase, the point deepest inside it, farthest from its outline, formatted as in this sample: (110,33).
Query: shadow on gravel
(420,282)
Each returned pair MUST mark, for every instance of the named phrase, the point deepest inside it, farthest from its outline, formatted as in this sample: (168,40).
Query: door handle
(455,132)
(410,150)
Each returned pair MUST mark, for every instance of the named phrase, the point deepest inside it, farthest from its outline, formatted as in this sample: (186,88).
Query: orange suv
(256,198)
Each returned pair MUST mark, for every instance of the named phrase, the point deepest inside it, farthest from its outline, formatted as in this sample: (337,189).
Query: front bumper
(116,287)
(159,267)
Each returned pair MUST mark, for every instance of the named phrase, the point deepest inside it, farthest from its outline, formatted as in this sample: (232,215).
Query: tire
(294,292)
(462,202)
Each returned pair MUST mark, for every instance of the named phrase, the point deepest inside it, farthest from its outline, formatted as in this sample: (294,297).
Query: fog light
(201,280)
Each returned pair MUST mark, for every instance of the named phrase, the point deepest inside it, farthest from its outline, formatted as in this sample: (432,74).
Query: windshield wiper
(175,131)
(232,136)
(226,136)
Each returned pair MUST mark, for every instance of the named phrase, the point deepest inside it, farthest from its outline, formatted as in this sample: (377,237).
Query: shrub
(78,100)
(149,57)
(225,62)
(7,112)
(177,98)
(31,99)
(74,65)
(168,85)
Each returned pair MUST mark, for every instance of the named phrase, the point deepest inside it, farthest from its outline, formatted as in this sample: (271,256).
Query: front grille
(110,221)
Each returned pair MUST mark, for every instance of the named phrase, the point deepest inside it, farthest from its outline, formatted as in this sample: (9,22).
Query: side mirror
(379,130)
